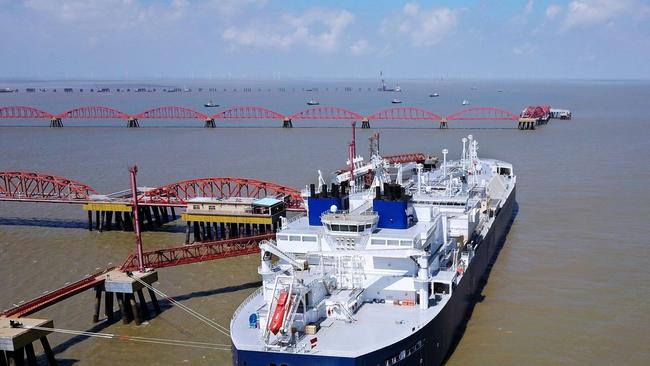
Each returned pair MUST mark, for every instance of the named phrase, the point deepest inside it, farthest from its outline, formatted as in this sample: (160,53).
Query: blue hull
(433,343)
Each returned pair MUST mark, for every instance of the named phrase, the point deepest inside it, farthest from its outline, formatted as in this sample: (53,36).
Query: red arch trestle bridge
(47,188)
(251,112)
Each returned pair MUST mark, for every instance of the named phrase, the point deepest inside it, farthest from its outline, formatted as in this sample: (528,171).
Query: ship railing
(247,301)
(284,222)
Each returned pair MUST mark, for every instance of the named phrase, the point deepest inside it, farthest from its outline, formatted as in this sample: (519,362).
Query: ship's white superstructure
(374,260)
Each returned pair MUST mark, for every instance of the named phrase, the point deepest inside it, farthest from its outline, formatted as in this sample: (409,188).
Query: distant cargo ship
(210,104)
(313,102)
(8,90)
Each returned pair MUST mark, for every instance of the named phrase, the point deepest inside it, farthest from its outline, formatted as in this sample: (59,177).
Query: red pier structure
(253,112)
(172,112)
(401,114)
(39,187)
(168,257)
(23,112)
(179,193)
(323,113)
(195,253)
(56,296)
(157,205)
(406,158)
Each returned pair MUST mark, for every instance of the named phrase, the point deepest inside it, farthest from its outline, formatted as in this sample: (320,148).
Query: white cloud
(529,7)
(553,10)
(360,47)
(319,29)
(585,13)
(230,7)
(109,14)
(524,50)
(423,27)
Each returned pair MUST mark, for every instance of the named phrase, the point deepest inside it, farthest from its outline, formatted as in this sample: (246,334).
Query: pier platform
(126,286)
(17,337)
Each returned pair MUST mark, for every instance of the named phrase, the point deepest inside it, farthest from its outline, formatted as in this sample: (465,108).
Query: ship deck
(377,325)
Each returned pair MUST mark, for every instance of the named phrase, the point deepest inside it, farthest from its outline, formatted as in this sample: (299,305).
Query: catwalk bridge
(251,112)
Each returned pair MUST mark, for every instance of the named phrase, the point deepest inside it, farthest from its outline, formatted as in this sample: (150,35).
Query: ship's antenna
(444,162)
(470,139)
(444,170)
(374,144)
(419,169)
(352,151)
(463,157)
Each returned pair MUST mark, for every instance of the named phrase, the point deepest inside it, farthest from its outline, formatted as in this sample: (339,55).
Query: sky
(266,39)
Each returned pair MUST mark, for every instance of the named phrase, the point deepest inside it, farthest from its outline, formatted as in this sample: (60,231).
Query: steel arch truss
(23,112)
(94,112)
(405,158)
(326,113)
(171,112)
(31,186)
(405,113)
(221,187)
(483,114)
(248,112)
(196,253)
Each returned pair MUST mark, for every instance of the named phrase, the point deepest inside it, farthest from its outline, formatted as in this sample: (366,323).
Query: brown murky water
(571,286)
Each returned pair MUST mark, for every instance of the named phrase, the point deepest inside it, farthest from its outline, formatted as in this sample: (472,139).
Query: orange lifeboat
(278,314)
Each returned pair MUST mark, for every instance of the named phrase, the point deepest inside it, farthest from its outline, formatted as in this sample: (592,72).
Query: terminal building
(224,218)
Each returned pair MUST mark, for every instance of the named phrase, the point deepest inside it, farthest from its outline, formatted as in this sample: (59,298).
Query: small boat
(465,102)
(210,104)
(313,102)
(396,101)
(434,95)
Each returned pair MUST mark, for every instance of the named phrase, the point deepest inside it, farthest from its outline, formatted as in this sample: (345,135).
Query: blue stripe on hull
(432,344)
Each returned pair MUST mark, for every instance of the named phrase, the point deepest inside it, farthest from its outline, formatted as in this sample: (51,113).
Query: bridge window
(212,207)
(196,207)
(294,238)
(309,238)
(282,237)
(344,228)
(335,227)
(392,242)
(378,242)
(406,243)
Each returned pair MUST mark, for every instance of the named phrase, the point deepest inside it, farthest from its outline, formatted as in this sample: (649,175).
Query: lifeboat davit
(278,314)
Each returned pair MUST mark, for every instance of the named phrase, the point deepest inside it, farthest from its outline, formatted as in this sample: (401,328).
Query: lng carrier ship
(383,268)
